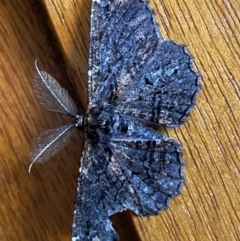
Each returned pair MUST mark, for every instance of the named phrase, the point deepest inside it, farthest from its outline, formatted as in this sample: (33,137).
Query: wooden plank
(36,206)
(70,20)
(39,206)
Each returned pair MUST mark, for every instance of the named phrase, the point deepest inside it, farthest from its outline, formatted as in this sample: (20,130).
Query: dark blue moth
(135,79)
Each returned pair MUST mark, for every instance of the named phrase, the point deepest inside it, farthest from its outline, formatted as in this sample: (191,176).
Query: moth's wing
(124,35)
(145,170)
(139,171)
(90,220)
(130,66)
(164,91)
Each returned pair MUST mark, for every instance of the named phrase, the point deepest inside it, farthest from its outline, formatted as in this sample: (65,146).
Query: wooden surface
(39,206)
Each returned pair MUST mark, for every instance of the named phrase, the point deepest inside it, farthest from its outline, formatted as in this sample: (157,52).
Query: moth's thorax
(101,123)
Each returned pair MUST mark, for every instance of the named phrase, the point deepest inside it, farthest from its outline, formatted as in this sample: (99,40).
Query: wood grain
(39,206)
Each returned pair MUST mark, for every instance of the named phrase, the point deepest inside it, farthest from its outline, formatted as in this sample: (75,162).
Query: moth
(135,80)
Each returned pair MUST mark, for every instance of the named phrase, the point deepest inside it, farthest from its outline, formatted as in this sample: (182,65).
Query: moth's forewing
(124,35)
(166,87)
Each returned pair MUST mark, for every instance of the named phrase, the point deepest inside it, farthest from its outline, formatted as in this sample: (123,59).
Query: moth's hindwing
(137,169)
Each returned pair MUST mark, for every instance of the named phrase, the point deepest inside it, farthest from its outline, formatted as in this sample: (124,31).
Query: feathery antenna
(51,95)
(48,143)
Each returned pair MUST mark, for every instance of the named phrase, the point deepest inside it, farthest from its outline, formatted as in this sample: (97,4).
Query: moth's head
(79,120)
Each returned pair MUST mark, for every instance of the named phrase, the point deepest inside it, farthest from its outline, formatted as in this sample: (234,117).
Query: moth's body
(102,123)
(135,78)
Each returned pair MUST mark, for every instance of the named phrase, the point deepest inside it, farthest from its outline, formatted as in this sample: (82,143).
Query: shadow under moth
(135,79)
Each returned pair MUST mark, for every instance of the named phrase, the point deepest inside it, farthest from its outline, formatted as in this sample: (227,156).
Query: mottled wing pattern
(145,170)
(139,171)
(124,35)
(136,75)
(131,67)
(90,221)
(164,90)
